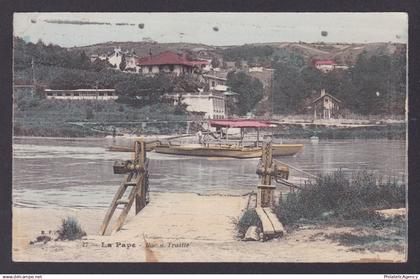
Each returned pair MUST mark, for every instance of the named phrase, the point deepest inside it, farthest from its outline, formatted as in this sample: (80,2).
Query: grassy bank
(41,117)
(390,131)
(346,211)
(336,196)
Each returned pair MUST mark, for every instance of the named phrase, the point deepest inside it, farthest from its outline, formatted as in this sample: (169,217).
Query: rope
(297,169)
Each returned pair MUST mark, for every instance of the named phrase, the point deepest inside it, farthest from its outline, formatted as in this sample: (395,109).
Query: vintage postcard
(210,137)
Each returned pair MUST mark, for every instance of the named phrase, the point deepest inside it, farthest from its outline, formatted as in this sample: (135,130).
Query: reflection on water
(78,172)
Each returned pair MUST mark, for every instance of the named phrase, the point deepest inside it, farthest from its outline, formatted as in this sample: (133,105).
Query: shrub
(89,113)
(337,195)
(249,218)
(70,229)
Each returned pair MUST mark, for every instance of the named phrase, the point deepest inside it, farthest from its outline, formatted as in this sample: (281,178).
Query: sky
(216,29)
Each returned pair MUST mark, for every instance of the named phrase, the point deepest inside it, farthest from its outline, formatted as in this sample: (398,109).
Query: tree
(89,113)
(289,90)
(250,91)
(139,91)
(123,63)
(215,63)
(371,77)
(73,79)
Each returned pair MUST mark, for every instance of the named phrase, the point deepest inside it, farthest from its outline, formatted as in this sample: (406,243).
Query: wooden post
(140,159)
(136,179)
(227,135)
(265,190)
(258,137)
(265,195)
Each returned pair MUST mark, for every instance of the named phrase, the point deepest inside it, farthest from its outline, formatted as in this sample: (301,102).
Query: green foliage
(383,74)
(73,79)
(288,89)
(89,113)
(44,117)
(342,197)
(70,229)
(47,55)
(250,91)
(249,218)
(248,53)
(374,85)
(139,91)
(215,63)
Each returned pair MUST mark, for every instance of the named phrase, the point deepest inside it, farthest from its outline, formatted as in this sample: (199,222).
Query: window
(213,84)
(76,94)
(68,94)
(109,94)
(101,94)
(59,94)
(49,94)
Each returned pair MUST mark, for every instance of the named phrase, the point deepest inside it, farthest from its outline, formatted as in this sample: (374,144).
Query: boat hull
(286,149)
(211,151)
(115,148)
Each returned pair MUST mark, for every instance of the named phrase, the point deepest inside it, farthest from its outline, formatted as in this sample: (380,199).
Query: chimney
(322,92)
(150,52)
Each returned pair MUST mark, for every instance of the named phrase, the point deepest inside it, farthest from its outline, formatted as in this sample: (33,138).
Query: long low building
(81,94)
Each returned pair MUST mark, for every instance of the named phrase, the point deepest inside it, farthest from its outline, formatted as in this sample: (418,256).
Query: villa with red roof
(169,62)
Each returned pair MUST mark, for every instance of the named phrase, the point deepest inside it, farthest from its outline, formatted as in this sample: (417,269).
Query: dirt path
(181,228)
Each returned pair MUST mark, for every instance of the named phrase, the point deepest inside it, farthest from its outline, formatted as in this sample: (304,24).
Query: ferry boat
(225,148)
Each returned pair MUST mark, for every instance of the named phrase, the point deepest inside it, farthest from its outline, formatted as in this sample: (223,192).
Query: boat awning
(241,123)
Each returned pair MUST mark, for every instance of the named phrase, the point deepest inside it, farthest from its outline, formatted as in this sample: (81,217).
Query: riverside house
(326,106)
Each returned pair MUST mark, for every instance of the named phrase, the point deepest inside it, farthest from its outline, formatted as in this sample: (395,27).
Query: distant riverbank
(389,131)
(65,129)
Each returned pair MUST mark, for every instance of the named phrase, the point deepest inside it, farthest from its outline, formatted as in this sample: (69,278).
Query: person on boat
(200,137)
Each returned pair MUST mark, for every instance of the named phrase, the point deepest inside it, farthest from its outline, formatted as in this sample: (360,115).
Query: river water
(78,172)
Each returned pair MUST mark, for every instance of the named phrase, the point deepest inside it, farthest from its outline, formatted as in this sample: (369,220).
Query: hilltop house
(327,65)
(115,59)
(130,59)
(326,106)
(265,75)
(215,83)
(170,63)
(324,65)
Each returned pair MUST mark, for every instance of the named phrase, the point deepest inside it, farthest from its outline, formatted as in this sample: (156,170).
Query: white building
(211,104)
(324,65)
(256,69)
(81,94)
(215,82)
(328,65)
(115,58)
(131,63)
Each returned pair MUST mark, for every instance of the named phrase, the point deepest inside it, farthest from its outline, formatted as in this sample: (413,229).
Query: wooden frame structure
(137,178)
(267,169)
